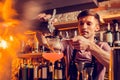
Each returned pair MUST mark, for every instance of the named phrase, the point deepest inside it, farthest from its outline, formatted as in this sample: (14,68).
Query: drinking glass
(54,54)
(80,67)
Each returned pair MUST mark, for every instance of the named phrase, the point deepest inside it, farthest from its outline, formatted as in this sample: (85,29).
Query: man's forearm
(101,55)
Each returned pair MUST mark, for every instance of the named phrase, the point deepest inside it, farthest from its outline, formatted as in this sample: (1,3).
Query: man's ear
(97,28)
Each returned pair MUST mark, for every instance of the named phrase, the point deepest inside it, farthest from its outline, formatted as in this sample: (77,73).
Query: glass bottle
(25,70)
(40,71)
(36,65)
(109,35)
(44,70)
(116,36)
(60,71)
(35,44)
(30,70)
(55,70)
(20,72)
(50,71)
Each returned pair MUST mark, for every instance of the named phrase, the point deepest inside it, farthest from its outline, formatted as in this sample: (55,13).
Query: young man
(85,45)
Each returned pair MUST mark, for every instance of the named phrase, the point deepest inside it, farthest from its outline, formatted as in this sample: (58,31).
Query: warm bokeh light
(10,39)
(3,44)
(0,55)
(8,12)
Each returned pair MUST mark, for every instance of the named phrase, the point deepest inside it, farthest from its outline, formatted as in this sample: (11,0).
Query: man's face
(88,26)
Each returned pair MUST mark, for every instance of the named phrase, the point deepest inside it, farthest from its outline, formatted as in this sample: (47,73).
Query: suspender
(94,65)
(72,66)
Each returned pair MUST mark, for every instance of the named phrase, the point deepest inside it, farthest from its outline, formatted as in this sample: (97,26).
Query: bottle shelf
(29,55)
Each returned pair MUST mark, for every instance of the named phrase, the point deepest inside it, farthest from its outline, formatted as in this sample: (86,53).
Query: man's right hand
(42,17)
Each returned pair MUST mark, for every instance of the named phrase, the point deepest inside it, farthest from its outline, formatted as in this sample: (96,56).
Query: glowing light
(7,8)
(3,44)
(11,38)
(0,55)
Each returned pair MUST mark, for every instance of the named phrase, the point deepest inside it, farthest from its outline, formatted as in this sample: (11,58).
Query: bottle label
(25,74)
(50,68)
(55,74)
(109,37)
(39,73)
(60,74)
(36,46)
(44,73)
(35,71)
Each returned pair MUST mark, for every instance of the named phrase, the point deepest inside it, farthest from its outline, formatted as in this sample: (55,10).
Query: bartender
(87,49)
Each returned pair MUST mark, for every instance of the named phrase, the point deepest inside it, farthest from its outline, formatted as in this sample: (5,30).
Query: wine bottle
(20,72)
(30,70)
(60,72)
(109,35)
(40,71)
(55,70)
(116,36)
(61,35)
(44,70)
(50,71)
(75,33)
(25,70)
(67,35)
(35,45)
(35,72)
(63,67)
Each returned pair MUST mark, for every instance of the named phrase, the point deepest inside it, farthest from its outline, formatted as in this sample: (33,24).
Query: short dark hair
(88,13)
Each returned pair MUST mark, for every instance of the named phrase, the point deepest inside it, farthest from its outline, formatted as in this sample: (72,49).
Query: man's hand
(44,23)
(45,17)
(51,43)
(80,43)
